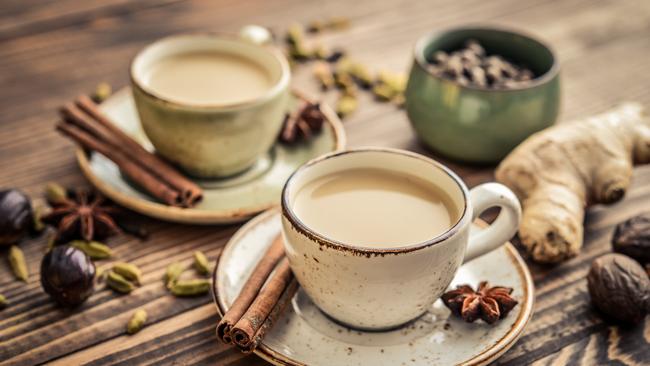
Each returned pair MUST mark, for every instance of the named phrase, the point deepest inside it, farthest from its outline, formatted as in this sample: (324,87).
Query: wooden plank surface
(51,51)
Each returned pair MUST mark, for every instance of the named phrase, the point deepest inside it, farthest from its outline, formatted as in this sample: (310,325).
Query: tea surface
(208,77)
(375,208)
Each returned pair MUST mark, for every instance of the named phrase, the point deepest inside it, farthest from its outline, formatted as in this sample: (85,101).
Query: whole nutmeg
(67,275)
(619,287)
(632,238)
(15,216)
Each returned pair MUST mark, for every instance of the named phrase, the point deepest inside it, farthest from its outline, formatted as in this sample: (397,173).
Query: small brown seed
(193,287)
(475,47)
(119,283)
(129,271)
(136,322)
(440,57)
(201,263)
(18,264)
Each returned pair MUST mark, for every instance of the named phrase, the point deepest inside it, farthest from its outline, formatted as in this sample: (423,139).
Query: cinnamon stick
(130,168)
(190,191)
(251,322)
(282,303)
(250,290)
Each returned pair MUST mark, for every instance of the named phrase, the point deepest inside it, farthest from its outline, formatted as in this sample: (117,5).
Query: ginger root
(558,172)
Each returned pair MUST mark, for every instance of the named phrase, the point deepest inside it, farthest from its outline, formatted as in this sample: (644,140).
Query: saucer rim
(189,215)
(487,356)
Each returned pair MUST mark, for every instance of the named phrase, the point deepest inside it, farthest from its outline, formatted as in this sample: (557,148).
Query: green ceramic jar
(474,124)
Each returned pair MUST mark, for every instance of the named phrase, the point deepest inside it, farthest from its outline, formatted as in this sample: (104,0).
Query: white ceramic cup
(211,139)
(381,288)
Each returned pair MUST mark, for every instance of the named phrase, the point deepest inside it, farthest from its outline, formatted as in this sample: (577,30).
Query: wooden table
(52,50)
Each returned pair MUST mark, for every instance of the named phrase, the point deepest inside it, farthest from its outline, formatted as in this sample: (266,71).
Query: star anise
(82,215)
(487,303)
(302,123)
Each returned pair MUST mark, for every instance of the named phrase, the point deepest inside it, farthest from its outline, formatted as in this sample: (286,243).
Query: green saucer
(227,200)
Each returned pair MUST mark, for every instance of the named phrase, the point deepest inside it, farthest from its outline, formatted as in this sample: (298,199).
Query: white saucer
(304,336)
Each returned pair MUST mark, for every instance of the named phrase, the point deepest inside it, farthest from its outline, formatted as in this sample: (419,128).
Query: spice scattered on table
(15,216)
(472,66)
(556,173)
(332,69)
(306,121)
(137,321)
(3,302)
(192,287)
(102,92)
(487,303)
(129,271)
(118,283)
(18,263)
(94,249)
(67,275)
(173,272)
(619,287)
(632,238)
(201,263)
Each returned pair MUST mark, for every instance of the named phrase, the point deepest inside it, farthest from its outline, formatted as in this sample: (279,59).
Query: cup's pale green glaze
(476,124)
(211,140)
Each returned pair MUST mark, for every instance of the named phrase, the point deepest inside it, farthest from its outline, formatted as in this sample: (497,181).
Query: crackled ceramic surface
(304,336)
(225,200)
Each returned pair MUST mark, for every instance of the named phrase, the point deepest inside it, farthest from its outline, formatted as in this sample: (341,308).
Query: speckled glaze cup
(382,288)
(475,124)
(211,140)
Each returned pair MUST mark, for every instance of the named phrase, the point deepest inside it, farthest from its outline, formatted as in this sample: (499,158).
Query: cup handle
(502,229)
(255,34)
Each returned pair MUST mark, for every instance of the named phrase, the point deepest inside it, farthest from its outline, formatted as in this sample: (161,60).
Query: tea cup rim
(424,41)
(463,220)
(281,84)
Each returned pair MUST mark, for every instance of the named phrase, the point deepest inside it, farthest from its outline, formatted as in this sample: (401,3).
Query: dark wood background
(52,50)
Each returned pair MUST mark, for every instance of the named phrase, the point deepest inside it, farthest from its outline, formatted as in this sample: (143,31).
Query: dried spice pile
(335,71)
(472,66)
(68,272)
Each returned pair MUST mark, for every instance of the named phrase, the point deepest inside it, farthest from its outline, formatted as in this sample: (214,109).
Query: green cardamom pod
(129,271)
(18,264)
(346,105)
(193,287)
(174,271)
(55,193)
(362,74)
(383,92)
(37,224)
(102,92)
(136,322)
(119,283)
(93,249)
(3,302)
(201,263)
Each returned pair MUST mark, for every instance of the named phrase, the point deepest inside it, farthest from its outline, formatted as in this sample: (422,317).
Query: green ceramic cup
(210,140)
(480,125)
